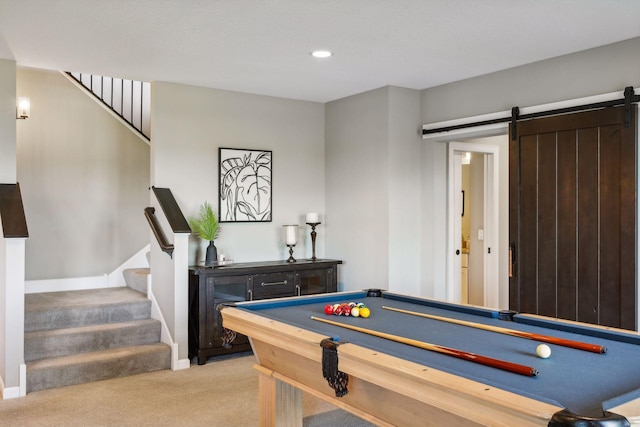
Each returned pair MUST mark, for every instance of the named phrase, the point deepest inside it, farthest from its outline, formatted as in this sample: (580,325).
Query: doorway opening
(473,224)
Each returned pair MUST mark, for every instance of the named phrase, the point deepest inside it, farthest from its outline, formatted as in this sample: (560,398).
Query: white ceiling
(262,46)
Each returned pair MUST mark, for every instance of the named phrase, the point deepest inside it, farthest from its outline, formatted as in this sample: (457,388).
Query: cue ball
(543,351)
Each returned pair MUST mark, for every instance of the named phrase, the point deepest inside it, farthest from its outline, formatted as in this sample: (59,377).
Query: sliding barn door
(572,212)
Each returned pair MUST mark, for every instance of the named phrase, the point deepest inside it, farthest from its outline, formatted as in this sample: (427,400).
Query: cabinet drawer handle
(273,283)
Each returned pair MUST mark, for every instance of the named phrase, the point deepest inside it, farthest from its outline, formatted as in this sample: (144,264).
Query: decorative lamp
(291,238)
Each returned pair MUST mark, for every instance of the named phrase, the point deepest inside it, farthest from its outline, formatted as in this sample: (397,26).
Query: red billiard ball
(328,309)
(345,309)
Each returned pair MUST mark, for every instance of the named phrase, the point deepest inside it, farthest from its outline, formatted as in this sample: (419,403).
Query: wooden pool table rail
(385,387)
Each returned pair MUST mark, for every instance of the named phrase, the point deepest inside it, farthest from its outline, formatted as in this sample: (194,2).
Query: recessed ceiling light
(321,53)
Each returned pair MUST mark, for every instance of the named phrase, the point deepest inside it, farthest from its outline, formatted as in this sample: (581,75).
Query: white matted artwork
(245,185)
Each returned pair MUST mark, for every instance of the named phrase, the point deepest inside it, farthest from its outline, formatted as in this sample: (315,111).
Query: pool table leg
(280,403)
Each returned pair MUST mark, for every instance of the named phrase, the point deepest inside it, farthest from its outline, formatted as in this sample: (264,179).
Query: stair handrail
(165,246)
(172,212)
(14,222)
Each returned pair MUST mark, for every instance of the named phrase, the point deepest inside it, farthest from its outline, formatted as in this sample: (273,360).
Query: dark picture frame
(245,185)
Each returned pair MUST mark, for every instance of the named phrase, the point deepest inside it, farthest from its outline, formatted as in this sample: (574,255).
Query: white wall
(596,71)
(12,317)
(373,189)
(84,177)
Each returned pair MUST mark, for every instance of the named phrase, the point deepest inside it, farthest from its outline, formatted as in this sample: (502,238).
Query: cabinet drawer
(273,285)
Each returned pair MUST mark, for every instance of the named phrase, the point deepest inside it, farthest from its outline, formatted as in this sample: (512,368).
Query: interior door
(572,217)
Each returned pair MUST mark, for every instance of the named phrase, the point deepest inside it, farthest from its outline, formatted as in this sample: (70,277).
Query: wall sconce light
(23,108)
(466,158)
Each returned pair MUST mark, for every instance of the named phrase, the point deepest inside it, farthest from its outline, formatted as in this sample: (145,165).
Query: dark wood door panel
(567,242)
(547,226)
(528,249)
(572,218)
(571,122)
(587,218)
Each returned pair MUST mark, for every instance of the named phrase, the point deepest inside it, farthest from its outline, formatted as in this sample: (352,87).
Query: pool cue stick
(471,357)
(499,329)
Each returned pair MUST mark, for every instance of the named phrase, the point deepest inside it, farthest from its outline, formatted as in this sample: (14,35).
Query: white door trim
(491,215)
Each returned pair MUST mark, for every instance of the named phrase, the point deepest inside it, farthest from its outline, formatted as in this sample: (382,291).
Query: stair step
(96,366)
(62,342)
(70,309)
(136,278)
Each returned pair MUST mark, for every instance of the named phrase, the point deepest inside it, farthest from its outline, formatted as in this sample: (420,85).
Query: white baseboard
(139,260)
(165,335)
(112,280)
(68,284)
(23,380)
(9,392)
(178,364)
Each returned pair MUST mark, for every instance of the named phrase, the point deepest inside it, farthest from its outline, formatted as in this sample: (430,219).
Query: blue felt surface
(577,380)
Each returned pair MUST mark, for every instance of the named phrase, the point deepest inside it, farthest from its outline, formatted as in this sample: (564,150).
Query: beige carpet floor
(224,393)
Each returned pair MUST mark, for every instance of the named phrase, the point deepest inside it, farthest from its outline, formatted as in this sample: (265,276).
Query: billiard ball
(355,311)
(328,309)
(364,312)
(345,310)
(543,351)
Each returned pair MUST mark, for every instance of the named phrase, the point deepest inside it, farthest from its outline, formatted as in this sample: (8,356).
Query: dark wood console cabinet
(210,286)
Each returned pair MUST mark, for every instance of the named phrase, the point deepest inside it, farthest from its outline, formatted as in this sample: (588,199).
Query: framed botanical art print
(245,185)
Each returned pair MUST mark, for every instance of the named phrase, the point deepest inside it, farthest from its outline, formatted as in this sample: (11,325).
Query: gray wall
(357,188)
(591,72)
(10,357)
(84,178)
(7,121)
(189,124)
(373,189)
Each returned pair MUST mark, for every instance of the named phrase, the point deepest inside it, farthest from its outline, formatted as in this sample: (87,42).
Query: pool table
(391,383)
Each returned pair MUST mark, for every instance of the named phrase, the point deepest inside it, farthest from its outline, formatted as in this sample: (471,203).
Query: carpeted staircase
(75,337)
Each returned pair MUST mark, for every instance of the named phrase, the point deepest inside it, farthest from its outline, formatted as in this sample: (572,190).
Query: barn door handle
(512,253)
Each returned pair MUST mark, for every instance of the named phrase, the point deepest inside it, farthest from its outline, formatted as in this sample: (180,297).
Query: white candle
(312,217)
(291,234)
